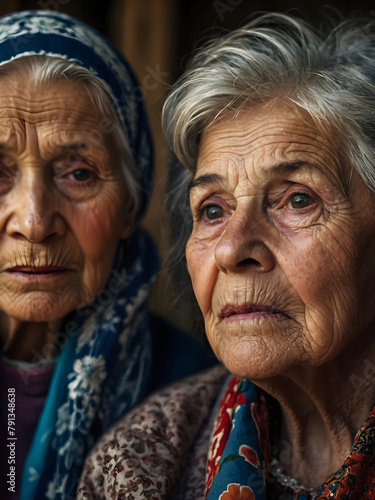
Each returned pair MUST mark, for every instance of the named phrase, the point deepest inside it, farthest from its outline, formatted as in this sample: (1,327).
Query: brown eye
(81,174)
(212,212)
(301,200)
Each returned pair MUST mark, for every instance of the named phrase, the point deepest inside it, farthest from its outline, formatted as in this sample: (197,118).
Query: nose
(243,245)
(33,214)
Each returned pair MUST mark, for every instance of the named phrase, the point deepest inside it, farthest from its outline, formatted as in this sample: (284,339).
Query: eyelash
(200,213)
(83,169)
(287,199)
(79,164)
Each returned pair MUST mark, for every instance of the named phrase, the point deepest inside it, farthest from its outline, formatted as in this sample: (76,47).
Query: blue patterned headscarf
(104,367)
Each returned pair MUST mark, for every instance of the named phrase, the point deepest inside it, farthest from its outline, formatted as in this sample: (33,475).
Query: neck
(31,341)
(322,410)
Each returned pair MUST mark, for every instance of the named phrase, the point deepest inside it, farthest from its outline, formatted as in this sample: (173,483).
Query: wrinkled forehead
(256,144)
(58,35)
(51,102)
(53,119)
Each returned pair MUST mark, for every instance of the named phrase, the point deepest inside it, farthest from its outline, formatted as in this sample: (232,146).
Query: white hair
(331,77)
(41,69)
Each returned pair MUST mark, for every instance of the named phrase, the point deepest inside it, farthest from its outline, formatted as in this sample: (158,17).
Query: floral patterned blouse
(208,437)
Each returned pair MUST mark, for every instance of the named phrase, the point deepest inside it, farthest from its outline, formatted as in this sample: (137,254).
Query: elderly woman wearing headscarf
(275,124)
(75,268)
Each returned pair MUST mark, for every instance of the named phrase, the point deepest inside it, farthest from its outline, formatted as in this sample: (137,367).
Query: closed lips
(229,310)
(36,269)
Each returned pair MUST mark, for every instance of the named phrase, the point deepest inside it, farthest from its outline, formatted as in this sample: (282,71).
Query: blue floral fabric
(104,367)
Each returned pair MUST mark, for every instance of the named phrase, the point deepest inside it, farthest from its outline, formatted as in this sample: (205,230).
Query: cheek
(319,264)
(97,231)
(94,239)
(203,272)
(323,273)
(98,226)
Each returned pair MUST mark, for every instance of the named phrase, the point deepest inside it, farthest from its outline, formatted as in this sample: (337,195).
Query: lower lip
(36,276)
(255,316)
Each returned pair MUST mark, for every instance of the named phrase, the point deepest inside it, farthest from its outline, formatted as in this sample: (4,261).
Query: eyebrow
(78,148)
(280,169)
(75,146)
(289,167)
(205,180)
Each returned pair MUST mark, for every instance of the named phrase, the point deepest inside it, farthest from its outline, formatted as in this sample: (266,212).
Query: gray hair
(41,69)
(331,77)
(279,56)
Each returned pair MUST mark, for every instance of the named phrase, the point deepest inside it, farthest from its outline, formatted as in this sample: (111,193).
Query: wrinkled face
(282,250)
(62,200)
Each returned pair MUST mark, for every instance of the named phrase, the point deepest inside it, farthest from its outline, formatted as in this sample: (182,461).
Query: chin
(252,360)
(252,371)
(39,309)
(36,317)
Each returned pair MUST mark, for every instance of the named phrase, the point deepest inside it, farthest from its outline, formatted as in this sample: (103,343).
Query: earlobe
(127,229)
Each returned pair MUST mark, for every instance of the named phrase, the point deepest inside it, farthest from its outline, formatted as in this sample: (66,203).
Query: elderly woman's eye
(301,200)
(81,174)
(212,212)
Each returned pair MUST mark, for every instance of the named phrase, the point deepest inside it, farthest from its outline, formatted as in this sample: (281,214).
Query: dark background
(157,37)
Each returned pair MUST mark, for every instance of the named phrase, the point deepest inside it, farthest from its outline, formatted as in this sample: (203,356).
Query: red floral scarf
(239,455)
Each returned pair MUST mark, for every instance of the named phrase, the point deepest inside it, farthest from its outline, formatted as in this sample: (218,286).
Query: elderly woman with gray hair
(79,348)
(274,123)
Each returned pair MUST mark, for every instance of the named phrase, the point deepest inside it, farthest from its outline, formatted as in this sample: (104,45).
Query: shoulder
(147,449)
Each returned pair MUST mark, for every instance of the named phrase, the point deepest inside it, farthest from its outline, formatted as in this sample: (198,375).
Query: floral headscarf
(104,367)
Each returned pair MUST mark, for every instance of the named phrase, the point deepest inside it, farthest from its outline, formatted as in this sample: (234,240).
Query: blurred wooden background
(157,36)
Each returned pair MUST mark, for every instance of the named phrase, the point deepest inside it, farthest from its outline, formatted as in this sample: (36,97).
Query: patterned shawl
(160,450)
(104,366)
(239,455)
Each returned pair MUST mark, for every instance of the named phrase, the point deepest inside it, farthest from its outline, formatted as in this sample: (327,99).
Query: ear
(127,229)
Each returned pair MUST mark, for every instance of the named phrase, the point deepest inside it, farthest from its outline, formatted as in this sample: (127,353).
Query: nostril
(19,236)
(243,255)
(249,262)
(36,227)
(52,235)
(33,238)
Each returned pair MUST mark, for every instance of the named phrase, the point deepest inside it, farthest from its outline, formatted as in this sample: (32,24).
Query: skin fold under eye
(297,208)
(78,179)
